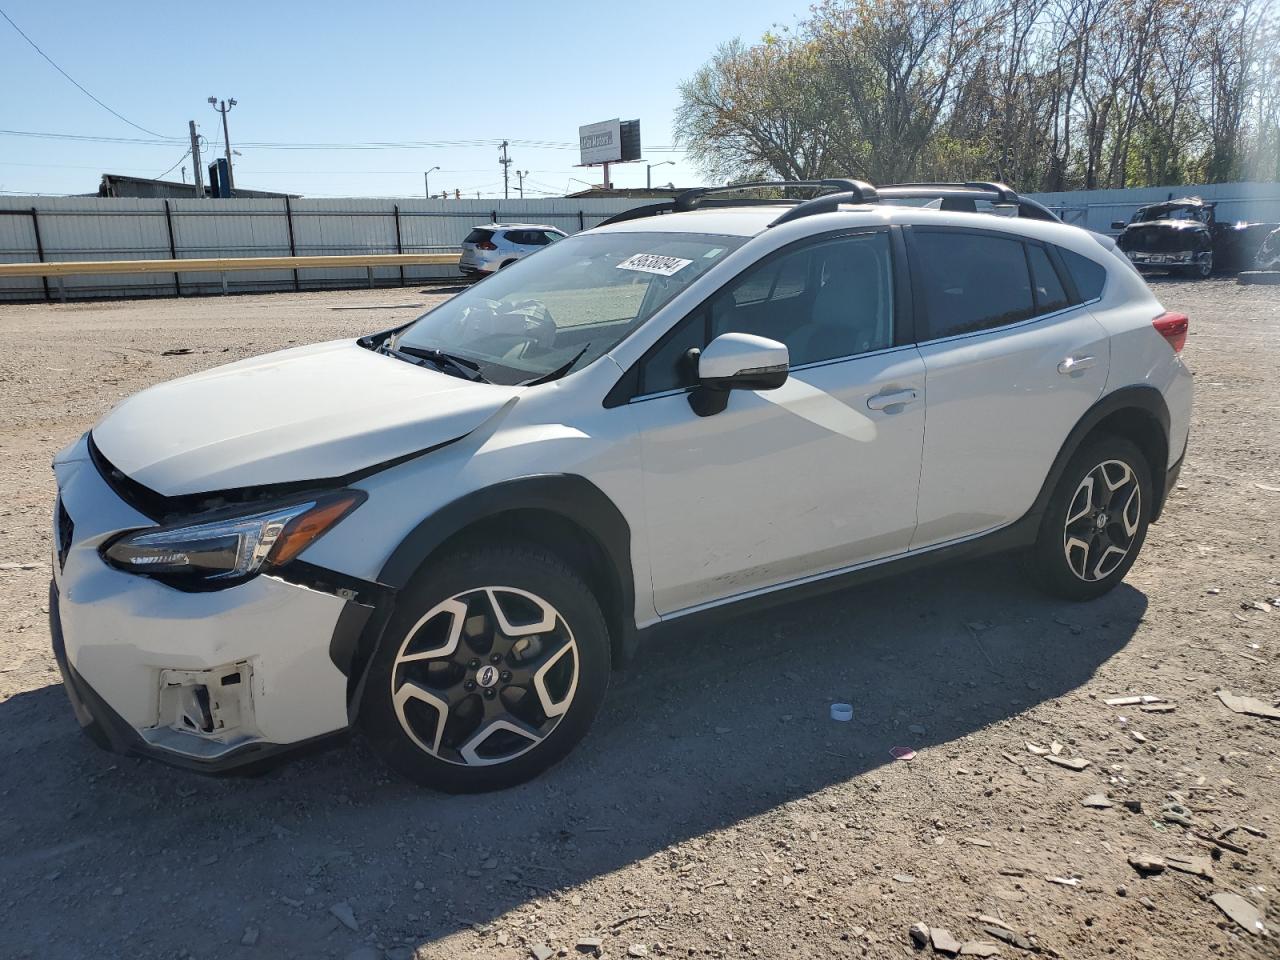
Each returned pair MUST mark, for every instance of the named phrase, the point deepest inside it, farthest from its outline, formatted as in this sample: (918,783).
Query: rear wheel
(492,668)
(1096,521)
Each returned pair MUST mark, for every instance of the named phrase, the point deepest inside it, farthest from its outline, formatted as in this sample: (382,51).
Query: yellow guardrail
(68,268)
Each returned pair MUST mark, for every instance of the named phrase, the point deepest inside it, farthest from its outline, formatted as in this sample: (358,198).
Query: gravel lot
(715,810)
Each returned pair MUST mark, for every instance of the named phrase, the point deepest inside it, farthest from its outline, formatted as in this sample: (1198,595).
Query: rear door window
(970,282)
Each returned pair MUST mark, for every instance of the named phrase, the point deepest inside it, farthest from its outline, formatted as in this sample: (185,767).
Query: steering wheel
(521,328)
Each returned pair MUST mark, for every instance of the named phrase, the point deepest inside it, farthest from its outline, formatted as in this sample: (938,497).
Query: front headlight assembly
(233,547)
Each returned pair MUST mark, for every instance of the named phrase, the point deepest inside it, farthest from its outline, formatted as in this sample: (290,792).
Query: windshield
(564,306)
(1166,212)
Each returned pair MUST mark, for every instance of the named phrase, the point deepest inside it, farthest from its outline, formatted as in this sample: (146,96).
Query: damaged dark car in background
(1184,237)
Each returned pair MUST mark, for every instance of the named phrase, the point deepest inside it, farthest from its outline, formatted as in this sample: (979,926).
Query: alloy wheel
(1103,520)
(485,676)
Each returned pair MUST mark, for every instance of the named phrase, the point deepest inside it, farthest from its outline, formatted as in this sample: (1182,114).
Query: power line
(170,170)
(78,86)
(284,145)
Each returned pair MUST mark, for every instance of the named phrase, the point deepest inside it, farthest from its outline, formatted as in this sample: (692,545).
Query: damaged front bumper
(1183,258)
(209,680)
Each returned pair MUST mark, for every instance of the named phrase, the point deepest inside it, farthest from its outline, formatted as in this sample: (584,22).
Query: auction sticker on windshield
(654,263)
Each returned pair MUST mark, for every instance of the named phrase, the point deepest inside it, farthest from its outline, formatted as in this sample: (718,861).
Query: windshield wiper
(558,372)
(468,369)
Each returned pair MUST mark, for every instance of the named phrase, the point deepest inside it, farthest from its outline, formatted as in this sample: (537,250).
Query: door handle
(894,398)
(1073,364)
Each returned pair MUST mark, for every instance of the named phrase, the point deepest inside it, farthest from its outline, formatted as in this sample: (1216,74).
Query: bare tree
(1048,94)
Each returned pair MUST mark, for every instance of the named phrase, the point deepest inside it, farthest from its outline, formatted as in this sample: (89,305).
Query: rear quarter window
(477,236)
(1090,276)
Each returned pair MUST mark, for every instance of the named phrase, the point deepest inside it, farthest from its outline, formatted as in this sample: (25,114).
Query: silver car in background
(490,247)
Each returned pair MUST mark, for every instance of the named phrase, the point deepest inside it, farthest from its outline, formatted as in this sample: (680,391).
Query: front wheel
(1096,520)
(1203,269)
(491,669)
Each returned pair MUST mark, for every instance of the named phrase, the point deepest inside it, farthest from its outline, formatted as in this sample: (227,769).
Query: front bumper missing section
(110,731)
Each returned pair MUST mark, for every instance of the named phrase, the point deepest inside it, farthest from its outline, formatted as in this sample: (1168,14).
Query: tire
(1075,556)
(1203,269)
(543,651)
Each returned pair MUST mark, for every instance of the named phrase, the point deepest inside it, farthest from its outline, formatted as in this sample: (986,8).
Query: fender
(1145,399)
(570,497)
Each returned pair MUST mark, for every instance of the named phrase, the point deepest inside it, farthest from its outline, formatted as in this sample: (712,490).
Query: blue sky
(344,73)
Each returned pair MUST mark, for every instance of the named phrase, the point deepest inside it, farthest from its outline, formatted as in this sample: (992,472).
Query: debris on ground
(1097,801)
(589,945)
(1240,910)
(1196,866)
(1146,863)
(176,352)
(540,951)
(903,753)
(1074,763)
(1145,699)
(1174,812)
(919,934)
(1249,705)
(943,941)
(346,916)
(979,948)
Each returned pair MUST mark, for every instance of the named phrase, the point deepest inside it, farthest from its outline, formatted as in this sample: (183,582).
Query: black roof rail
(638,213)
(829,203)
(975,189)
(850,191)
(690,199)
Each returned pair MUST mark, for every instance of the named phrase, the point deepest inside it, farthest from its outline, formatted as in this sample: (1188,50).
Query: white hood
(310,413)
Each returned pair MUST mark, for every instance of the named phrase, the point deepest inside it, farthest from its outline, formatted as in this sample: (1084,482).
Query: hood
(311,413)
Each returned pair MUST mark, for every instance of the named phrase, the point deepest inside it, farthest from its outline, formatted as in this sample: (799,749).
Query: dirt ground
(715,810)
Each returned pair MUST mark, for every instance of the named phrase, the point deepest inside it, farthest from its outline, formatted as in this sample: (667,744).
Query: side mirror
(1118,224)
(737,361)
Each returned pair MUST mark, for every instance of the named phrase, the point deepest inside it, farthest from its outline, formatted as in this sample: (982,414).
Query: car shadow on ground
(704,731)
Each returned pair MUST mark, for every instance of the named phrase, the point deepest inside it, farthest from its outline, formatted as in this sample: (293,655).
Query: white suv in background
(492,246)
(448,533)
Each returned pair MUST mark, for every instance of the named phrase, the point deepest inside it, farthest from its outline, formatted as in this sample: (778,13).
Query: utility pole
(224,107)
(198,171)
(521,174)
(426,180)
(506,168)
(648,172)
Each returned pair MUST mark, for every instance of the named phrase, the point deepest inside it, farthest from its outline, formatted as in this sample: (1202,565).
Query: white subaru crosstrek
(446,534)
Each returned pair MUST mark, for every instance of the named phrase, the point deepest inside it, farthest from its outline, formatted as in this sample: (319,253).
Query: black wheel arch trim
(569,497)
(1142,398)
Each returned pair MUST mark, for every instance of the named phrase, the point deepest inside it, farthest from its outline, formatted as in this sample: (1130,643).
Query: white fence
(93,228)
(1096,209)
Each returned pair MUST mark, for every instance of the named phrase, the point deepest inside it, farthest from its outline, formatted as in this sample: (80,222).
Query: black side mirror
(1118,224)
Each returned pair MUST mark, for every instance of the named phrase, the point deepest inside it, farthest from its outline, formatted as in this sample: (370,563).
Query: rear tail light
(486,245)
(1173,327)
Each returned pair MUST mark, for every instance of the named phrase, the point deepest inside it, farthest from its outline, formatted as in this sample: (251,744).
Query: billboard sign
(600,142)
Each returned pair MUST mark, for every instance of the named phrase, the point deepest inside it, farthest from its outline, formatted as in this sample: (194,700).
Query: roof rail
(690,199)
(829,203)
(1004,193)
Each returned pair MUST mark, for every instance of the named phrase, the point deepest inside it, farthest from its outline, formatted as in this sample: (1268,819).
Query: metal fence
(93,228)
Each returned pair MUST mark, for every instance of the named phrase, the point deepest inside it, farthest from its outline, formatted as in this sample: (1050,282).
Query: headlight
(232,547)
